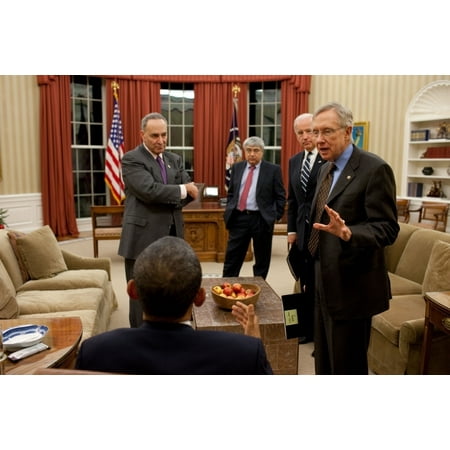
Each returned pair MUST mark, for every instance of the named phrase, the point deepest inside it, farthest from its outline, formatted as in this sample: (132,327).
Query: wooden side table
(64,335)
(437,316)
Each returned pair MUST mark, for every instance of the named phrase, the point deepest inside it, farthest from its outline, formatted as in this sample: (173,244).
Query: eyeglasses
(326,132)
(306,132)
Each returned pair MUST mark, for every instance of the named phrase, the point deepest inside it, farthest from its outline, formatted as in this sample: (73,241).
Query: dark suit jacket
(354,276)
(270,192)
(173,349)
(150,205)
(299,202)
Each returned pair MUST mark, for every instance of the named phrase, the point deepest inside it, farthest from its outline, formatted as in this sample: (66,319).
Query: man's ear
(132,290)
(200,297)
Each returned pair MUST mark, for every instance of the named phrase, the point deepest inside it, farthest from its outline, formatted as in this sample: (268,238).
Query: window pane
(269,114)
(189,136)
(96,112)
(98,159)
(176,137)
(96,134)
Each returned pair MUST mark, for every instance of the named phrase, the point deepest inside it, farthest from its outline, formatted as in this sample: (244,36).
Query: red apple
(237,287)
(227,290)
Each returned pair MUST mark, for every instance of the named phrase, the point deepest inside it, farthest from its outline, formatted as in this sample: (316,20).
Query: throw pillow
(41,254)
(437,274)
(9,308)
(13,235)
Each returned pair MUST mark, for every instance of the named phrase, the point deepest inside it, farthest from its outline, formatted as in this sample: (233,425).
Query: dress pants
(244,227)
(340,346)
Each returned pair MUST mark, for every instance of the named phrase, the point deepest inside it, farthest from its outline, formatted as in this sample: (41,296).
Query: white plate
(23,336)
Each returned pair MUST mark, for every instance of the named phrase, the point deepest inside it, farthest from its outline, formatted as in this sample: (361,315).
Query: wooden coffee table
(63,336)
(281,352)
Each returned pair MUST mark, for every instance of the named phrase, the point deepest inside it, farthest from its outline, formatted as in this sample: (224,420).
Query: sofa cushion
(402,308)
(13,235)
(414,260)
(70,279)
(41,254)
(34,302)
(401,286)
(9,259)
(9,309)
(393,253)
(437,275)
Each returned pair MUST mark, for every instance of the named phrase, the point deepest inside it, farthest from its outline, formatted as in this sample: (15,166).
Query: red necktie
(163,168)
(244,195)
(320,205)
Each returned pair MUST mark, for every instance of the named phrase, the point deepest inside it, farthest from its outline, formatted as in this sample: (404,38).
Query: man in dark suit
(155,194)
(252,209)
(358,221)
(167,280)
(300,194)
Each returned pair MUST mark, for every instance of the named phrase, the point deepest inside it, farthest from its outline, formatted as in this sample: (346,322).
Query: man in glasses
(348,236)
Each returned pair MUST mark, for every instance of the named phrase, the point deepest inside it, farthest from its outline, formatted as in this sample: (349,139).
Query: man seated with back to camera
(167,280)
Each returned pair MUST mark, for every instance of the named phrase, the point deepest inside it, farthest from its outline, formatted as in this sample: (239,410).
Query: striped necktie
(306,171)
(322,196)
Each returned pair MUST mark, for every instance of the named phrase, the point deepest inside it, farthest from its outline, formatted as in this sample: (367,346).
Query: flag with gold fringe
(114,152)
(234,147)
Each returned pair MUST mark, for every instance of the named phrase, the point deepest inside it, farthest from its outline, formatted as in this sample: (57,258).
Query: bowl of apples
(227,294)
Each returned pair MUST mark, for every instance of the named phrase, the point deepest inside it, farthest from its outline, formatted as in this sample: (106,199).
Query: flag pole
(233,148)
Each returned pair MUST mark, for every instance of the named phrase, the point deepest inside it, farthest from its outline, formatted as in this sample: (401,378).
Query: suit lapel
(347,176)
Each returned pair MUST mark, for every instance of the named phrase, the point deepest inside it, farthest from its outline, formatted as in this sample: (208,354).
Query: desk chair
(432,215)
(403,210)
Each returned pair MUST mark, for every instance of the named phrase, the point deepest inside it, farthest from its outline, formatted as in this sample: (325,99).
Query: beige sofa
(39,279)
(418,262)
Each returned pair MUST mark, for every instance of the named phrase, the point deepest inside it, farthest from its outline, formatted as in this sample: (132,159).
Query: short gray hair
(254,141)
(345,116)
(151,116)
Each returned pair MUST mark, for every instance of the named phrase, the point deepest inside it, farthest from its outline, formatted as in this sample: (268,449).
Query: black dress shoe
(304,339)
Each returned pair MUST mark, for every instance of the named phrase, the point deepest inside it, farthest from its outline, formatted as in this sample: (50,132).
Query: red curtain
(139,95)
(58,209)
(213,107)
(136,99)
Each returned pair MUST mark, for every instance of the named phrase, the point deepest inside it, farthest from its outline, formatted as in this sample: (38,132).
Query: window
(177,106)
(265,117)
(88,144)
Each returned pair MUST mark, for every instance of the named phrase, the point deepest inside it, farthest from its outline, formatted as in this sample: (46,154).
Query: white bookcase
(426,146)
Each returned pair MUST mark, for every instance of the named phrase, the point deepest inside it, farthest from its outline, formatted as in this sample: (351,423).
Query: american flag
(234,148)
(114,153)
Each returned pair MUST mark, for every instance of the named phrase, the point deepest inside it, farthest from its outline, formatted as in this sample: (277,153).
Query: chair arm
(411,333)
(77,262)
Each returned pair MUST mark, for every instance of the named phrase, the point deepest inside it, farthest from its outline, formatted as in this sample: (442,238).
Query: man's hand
(192,190)
(245,315)
(336,226)
(292,238)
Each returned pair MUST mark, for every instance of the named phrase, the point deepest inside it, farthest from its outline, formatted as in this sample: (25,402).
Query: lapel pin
(348,177)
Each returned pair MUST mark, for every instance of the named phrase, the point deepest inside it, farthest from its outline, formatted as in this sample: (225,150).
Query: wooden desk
(282,353)
(437,316)
(63,337)
(204,230)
